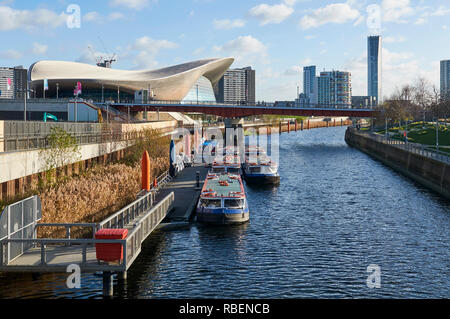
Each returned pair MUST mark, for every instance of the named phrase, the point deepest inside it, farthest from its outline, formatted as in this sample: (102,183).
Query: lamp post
(25,96)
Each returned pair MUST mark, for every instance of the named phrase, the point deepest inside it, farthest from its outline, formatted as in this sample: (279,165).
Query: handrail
(416,148)
(68,242)
(70,226)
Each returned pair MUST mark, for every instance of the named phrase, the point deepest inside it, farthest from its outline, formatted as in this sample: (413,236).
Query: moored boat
(223,200)
(258,168)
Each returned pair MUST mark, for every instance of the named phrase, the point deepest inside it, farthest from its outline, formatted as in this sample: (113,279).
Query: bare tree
(422,97)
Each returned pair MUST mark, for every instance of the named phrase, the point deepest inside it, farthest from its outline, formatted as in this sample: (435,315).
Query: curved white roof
(171,83)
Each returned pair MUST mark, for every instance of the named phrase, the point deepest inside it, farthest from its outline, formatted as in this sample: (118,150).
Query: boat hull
(262,179)
(222,217)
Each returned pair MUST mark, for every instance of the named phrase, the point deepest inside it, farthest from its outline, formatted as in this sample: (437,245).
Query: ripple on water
(335,212)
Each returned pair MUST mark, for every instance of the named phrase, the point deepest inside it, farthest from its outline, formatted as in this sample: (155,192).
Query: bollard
(301,123)
(145,167)
(289,127)
(308,125)
(296,125)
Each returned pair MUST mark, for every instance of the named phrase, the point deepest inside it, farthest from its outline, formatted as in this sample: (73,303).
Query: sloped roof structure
(171,83)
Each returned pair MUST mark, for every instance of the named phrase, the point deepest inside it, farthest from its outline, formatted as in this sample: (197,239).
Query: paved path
(186,194)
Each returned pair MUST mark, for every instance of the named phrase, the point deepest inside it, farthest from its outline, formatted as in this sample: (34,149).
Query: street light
(25,101)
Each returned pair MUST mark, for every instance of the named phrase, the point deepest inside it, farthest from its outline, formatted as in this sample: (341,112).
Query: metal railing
(142,226)
(19,220)
(25,143)
(45,243)
(415,148)
(241,104)
(145,226)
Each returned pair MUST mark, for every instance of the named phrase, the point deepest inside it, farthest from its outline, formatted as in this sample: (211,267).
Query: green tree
(62,149)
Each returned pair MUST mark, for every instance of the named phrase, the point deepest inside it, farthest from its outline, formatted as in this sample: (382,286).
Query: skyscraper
(445,79)
(18,78)
(335,89)
(237,86)
(309,86)
(374,67)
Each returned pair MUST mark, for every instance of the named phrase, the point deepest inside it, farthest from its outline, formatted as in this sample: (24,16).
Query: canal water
(336,212)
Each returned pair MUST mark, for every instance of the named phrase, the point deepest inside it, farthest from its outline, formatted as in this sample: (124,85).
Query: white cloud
(294,71)
(271,13)
(332,13)
(393,39)
(399,68)
(91,16)
(145,49)
(396,10)
(39,49)
(227,24)
(94,16)
(420,21)
(11,19)
(132,4)
(11,55)
(245,49)
(115,16)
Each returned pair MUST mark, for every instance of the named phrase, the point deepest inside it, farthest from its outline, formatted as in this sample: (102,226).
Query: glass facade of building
(445,79)
(202,91)
(335,89)
(374,66)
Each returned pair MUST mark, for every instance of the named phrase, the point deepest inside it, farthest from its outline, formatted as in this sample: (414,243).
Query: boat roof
(214,184)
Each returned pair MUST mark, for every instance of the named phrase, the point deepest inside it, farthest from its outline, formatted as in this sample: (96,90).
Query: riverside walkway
(184,187)
(21,250)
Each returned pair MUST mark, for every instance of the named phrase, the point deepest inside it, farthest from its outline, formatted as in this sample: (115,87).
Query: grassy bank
(422,133)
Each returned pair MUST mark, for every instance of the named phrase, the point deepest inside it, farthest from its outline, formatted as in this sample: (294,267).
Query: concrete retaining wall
(426,171)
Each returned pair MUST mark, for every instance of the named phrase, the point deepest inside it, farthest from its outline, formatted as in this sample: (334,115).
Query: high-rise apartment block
(335,89)
(13,82)
(237,86)
(445,80)
(374,67)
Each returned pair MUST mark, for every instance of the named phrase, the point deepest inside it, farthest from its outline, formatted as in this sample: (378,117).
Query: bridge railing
(241,104)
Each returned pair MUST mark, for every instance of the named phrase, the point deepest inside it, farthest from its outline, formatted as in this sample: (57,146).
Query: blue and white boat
(258,168)
(223,200)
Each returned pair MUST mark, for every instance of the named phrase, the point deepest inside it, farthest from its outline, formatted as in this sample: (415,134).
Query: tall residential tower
(237,86)
(374,65)
(445,80)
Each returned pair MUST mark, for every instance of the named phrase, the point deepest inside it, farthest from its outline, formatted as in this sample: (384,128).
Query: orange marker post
(145,166)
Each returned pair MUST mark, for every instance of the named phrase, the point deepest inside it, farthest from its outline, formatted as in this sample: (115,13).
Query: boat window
(234,203)
(255,169)
(233,170)
(219,169)
(211,203)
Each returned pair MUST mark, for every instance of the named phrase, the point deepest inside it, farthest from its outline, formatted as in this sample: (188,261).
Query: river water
(336,212)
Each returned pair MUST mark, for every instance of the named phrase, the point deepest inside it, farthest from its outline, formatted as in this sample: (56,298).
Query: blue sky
(277,38)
